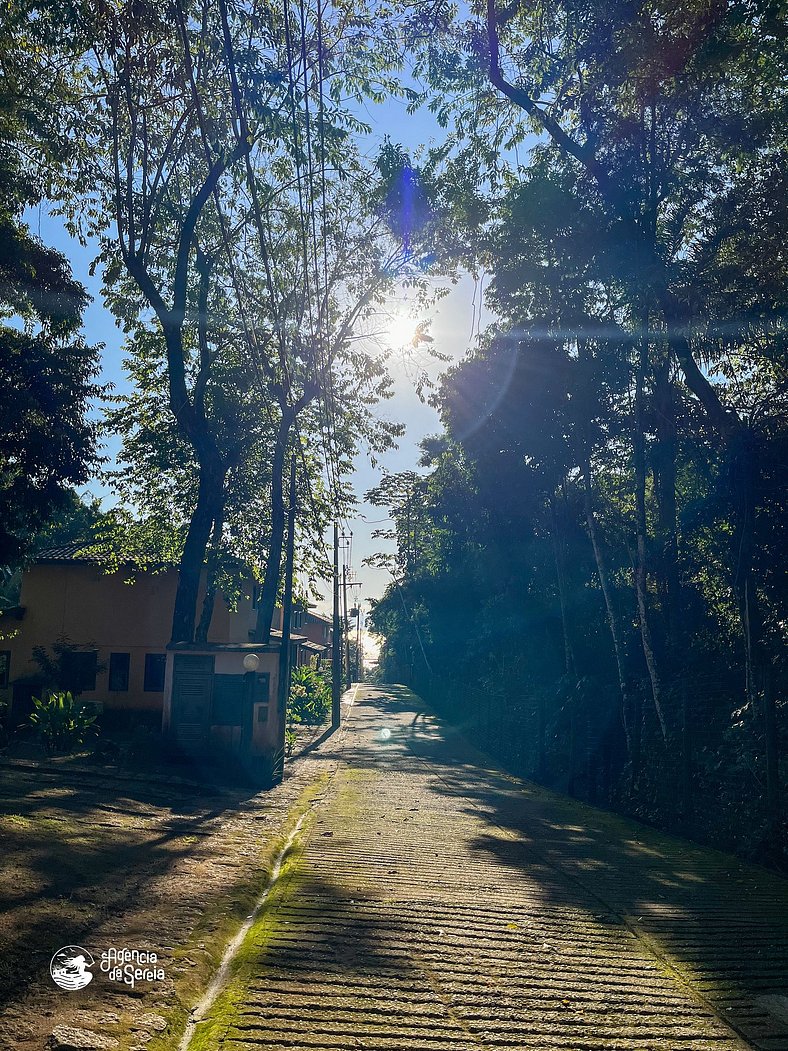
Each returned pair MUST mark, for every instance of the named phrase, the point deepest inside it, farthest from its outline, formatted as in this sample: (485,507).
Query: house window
(155,663)
(119,672)
(5,668)
(256,589)
(298,618)
(79,667)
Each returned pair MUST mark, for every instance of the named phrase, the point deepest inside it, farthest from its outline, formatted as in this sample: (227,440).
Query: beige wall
(105,612)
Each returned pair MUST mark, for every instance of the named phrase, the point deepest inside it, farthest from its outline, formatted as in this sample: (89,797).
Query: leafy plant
(63,721)
(310,697)
(290,739)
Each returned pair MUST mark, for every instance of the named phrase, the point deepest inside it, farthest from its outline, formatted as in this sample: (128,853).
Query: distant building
(314,626)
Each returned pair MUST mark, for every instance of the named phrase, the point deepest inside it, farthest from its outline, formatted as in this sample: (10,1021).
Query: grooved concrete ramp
(436,903)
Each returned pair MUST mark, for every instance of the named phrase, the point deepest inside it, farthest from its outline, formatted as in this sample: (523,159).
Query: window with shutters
(79,669)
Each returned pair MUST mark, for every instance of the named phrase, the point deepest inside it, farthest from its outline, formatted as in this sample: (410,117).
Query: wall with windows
(120,627)
(316,628)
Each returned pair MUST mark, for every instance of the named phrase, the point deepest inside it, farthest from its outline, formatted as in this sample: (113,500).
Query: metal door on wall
(192,689)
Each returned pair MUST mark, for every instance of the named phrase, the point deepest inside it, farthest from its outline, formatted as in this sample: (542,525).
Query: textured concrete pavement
(437,904)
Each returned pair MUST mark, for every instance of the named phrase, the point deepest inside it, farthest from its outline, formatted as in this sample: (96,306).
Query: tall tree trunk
(641,581)
(273,564)
(285,648)
(667,562)
(772,753)
(584,409)
(209,497)
(209,600)
(613,621)
(194,427)
(664,460)
(560,575)
(745,481)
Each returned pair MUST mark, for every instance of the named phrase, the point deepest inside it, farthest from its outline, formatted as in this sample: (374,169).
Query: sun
(401,331)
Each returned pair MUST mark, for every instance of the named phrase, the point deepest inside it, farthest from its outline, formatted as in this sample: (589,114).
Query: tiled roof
(82,551)
(78,551)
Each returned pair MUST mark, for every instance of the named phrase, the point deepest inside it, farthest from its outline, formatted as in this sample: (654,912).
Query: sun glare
(400,331)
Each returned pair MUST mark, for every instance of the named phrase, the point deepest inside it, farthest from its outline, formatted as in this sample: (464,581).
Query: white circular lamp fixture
(251,662)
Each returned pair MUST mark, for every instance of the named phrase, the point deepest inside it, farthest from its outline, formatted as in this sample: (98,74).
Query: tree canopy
(48,433)
(599,585)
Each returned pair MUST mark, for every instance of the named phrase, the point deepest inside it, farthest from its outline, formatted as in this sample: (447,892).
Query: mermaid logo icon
(69,968)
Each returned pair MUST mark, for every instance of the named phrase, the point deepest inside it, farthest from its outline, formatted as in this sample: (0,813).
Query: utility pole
(336,642)
(346,623)
(287,613)
(359,669)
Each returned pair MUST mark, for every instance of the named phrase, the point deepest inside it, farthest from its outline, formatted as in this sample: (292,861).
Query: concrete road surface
(435,903)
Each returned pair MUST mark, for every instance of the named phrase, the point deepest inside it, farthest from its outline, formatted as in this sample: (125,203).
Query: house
(220,694)
(315,627)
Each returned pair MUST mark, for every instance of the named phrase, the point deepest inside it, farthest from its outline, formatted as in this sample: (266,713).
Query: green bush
(310,697)
(62,721)
(291,736)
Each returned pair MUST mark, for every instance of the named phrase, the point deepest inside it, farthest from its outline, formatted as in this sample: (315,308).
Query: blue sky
(454,322)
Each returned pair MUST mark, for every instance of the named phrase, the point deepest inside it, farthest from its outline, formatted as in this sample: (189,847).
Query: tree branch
(724,420)
(522,99)
(191,218)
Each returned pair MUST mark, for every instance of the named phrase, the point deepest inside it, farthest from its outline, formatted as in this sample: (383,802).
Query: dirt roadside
(112,860)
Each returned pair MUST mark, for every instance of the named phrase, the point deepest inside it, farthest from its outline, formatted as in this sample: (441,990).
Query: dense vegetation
(591,570)
(591,564)
(47,370)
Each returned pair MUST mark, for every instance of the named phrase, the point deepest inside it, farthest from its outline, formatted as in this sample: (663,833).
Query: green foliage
(599,532)
(47,438)
(310,696)
(218,255)
(62,721)
(47,371)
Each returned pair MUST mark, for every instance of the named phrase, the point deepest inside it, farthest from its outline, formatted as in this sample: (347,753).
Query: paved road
(441,905)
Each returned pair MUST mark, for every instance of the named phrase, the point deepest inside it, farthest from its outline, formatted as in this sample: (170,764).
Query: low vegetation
(63,721)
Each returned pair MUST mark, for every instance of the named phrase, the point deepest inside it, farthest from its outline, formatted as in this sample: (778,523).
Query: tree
(211,158)
(656,130)
(47,371)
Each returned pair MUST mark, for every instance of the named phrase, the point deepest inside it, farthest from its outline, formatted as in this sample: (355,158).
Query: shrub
(62,721)
(310,697)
